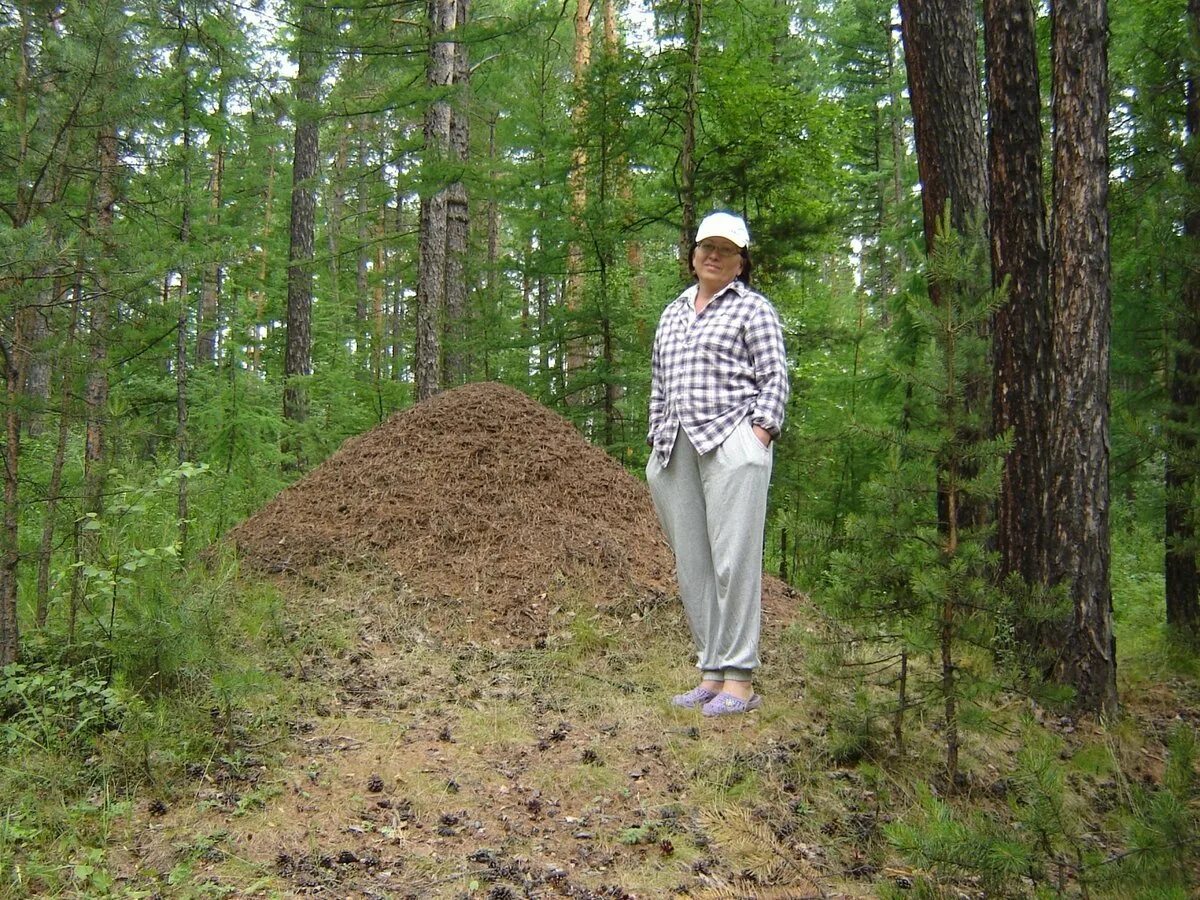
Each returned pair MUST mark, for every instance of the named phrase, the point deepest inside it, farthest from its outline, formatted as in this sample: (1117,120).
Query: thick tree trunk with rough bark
(297,362)
(1183,425)
(943,85)
(1020,261)
(1080,285)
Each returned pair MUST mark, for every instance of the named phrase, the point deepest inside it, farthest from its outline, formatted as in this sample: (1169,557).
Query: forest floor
(475,642)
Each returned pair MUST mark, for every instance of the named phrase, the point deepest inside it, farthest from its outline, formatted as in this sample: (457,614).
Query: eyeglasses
(722,250)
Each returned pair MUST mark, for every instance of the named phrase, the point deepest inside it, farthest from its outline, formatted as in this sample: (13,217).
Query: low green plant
(54,707)
(1162,828)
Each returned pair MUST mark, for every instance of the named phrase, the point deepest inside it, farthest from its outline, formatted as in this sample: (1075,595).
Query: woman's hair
(744,277)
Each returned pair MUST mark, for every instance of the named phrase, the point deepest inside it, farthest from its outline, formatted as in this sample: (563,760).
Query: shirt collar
(688,297)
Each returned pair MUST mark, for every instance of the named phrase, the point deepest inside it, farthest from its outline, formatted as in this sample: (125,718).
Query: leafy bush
(55,707)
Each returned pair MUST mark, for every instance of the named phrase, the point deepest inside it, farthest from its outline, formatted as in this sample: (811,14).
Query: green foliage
(908,576)
(1045,845)
(1163,828)
(55,708)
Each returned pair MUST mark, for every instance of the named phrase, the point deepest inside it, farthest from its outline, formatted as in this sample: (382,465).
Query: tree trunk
(54,489)
(1080,273)
(362,227)
(15,360)
(96,389)
(943,84)
(298,354)
(458,222)
(687,153)
(181,327)
(577,355)
(1183,420)
(1021,261)
(434,226)
(208,318)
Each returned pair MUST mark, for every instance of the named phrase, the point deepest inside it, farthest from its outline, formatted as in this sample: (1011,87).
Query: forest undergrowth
(335,735)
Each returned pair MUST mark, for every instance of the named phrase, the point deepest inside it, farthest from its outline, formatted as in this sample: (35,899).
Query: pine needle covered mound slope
(478,492)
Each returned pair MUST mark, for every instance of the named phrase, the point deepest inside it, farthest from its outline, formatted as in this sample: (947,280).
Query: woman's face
(717,262)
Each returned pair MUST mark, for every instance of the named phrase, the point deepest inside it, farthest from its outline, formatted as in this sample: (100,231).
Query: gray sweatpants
(713,510)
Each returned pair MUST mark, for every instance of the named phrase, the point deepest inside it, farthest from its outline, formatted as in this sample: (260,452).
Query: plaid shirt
(712,370)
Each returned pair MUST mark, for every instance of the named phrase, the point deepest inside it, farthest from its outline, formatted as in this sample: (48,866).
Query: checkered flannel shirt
(710,371)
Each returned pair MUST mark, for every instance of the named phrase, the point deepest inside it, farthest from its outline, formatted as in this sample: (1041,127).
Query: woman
(718,392)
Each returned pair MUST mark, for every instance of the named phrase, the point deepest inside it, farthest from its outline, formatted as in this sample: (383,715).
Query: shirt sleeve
(658,397)
(764,340)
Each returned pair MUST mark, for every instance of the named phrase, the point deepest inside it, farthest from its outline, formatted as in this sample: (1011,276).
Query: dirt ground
(427,766)
(491,718)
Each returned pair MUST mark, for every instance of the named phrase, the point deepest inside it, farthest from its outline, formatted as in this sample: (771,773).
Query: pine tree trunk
(458,221)
(208,317)
(298,353)
(687,154)
(577,355)
(54,488)
(943,84)
(1080,285)
(15,360)
(434,226)
(362,296)
(1021,261)
(1183,426)
(96,389)
(181,328)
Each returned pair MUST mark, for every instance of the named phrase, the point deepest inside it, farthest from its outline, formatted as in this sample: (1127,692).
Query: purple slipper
(725,704)
(697,696)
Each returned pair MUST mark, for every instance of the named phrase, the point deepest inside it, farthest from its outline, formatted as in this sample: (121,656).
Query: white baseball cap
(725,225)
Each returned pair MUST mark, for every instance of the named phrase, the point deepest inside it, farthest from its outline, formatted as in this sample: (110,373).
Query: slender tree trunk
(1183,424)
(258,295)
(181,327)
(577,352)
(209,315)
(687,154)
(54,489)
(458,222)
(378,309)
(896,121)
(1021,263)
(337,211)
(15,359)
(298,355)
(362,293)
(1080,273)
(96,389)
(493,258)
(430,293)
(431,278)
